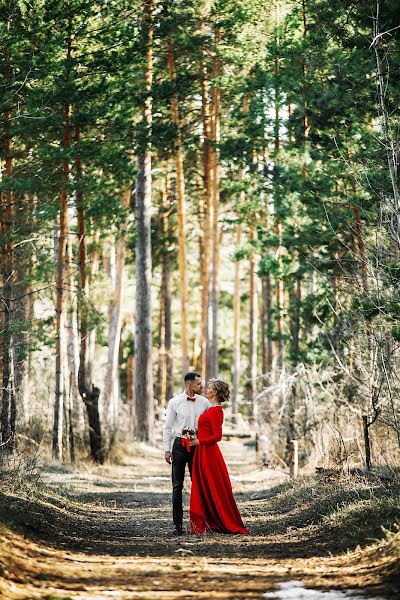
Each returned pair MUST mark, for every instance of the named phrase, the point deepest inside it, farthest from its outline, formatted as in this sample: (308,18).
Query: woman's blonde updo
(222,390)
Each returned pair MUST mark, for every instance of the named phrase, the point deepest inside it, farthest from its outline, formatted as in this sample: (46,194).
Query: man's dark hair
(191,376)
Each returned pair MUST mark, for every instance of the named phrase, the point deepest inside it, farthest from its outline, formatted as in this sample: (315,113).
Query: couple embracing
(191,434)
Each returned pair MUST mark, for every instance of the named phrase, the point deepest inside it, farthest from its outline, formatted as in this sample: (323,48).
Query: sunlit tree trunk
(205,220)
(236,327)
(295,301)
(253,328)
(75,403)
(266,326)
(181,210)
(63,228)
(165,377)
(212,351)
(266,301)
(278,353)
(94,262)
(22,310)
(111,388)
(24,314)
(8,410)
(144,416)
(89,392)
(205,212)
(73,411)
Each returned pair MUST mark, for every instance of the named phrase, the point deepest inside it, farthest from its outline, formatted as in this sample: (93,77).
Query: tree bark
(22,311)
(111,396)
(278,353)
(165,353)
(306,122)
(212,362)
(131,390)
(144,395)
(295,300)
(63,228)
(94,262)
(181,210)
(89,393)
(236,328)
(205,238)
(266,327)
(8,410)
(253,330)
(266,301)
(74,408)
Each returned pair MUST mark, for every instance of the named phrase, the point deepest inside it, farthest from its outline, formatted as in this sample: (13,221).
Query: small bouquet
(187,435)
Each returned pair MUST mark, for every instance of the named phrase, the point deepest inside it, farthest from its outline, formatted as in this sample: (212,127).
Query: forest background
(209,185)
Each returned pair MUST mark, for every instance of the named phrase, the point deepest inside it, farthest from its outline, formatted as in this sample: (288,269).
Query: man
(183,413)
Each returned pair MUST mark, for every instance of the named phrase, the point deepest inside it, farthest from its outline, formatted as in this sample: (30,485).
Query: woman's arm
(216,419)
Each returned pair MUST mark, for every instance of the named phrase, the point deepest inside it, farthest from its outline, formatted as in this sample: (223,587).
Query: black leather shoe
(178,531)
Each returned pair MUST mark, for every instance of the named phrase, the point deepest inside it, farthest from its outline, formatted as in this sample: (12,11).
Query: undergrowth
(356,510)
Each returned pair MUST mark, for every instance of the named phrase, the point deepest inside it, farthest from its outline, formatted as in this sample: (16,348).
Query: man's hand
(168,457)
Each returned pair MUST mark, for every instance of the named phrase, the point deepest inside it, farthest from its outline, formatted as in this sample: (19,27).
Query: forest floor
(106,532)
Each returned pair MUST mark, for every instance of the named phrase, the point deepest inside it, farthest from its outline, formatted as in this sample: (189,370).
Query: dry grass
(104,532)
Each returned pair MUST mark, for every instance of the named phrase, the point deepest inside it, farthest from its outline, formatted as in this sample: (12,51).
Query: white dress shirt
(182,414)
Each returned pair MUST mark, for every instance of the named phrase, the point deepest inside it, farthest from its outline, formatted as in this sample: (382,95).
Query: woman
(212,505)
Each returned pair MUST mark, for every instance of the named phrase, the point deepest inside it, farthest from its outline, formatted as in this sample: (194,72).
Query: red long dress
(212,505)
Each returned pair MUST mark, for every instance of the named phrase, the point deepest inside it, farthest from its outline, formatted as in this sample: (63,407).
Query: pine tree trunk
(165,353)
(22,303)
(212,366)
(73,408)
(8,410)
(63,229)
(266,300)
(279,295)
(111,395)
(253,330)
(306,123)
(205,239)
(295,300)
(94,261)
(73,361)
(25,314)
(236,328)
(131,391)
(181,210)
(89,393)
(144,396)
(278,353)
(266,327)
(160,387)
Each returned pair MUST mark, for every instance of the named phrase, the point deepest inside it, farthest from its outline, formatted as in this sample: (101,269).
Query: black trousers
(180,458)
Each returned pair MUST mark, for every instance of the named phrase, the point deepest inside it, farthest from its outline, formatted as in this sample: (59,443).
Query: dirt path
(111,537)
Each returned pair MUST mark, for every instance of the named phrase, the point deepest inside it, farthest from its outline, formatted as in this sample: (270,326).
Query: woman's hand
(194,442)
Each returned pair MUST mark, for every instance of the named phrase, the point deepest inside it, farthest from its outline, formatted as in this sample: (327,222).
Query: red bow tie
(191,399)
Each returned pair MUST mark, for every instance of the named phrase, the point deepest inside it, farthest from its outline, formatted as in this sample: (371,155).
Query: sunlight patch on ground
(295,590)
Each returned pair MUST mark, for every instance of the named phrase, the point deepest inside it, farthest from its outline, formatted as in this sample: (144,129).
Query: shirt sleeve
(169,423)
(216,420)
